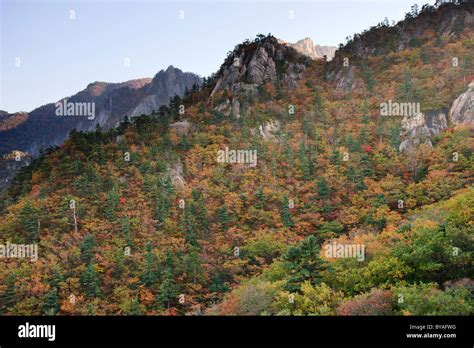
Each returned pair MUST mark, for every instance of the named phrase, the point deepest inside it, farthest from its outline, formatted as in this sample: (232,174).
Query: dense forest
(143,219)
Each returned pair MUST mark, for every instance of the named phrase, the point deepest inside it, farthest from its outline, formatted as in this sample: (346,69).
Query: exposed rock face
(397,38)
(328,51)
(259,69)
(251,66)
(268,129)
(378,42)
(462,110)
(112,102)
(307,47)
(182,127)
(164,85)
(420,129)
(436,121)
(175,172)
(345,79)
(10,164)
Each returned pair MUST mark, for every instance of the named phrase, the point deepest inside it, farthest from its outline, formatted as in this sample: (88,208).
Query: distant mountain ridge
(42,128)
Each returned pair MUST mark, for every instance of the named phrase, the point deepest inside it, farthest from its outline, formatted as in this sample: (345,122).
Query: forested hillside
(146,219)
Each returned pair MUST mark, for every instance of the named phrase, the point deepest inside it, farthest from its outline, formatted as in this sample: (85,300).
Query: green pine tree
(126,230)
(395,136)
(192,265)
(190,229)
(305,163)
(260,198)
(407,90)
(285,213)
(223,217)
(8,298)
(322,188)
(90,281)
(336,157)
(150,274)
(198,210)
(51,303)
(112,203)
(87,246)
(163,206)
(168,288)
(303,263)
(29,222)
(366,166)
(119,263)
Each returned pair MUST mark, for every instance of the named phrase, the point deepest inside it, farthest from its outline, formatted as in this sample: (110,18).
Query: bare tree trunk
(75,219)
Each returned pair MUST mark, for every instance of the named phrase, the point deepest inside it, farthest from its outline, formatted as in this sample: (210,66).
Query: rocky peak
(173,78)
(166,83)
(252,64)
(328,51)
(307,47)
(112,102)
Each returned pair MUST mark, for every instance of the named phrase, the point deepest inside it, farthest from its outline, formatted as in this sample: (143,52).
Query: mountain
(9,121)
(166,84)
(280,188)
(249,67)
(307,47)
(42,128)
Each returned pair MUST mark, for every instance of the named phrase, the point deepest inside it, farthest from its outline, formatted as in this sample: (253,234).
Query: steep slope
(255,225)
(166,84)
(251,66)
(9,121)
(112,102)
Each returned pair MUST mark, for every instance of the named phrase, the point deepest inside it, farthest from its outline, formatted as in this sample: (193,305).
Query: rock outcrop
(384,39)
(175,172)
(268,129)
(10,164)
(420,129)
(328,51)
(462,111)
(307,47)
(252,65)
(182,127)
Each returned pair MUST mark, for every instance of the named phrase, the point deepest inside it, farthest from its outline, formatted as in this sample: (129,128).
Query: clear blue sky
(59,56)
